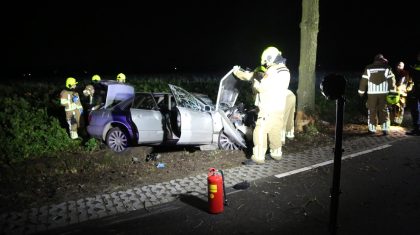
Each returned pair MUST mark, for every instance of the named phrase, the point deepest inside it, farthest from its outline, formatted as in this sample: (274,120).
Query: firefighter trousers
(267,132)
(73,120)
(377,110)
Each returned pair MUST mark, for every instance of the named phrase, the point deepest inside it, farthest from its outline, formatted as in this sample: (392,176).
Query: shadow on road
(194,201)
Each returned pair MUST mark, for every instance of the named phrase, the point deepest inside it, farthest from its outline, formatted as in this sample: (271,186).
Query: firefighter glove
(75,98)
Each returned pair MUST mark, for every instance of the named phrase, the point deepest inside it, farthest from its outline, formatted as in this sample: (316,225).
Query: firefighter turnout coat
(70,100)
(377,80)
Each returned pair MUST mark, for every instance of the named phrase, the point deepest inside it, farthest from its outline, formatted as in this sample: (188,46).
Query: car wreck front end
(235,130)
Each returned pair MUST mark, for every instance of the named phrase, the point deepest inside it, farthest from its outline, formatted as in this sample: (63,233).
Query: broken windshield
(184,99)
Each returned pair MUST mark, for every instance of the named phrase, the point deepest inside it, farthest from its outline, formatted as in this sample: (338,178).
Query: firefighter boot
(276,154)
(372,128)
(283,137)
(258,155)
(290,134)
(385,128)
(73,135)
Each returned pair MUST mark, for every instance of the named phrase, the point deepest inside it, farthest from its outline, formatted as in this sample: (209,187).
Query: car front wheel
(225,143)
(117,140)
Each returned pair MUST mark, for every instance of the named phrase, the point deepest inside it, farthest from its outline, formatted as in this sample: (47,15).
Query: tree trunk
(307,78)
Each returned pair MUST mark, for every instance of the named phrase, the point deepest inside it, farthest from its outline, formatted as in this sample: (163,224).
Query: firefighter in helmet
(289,115)
(121,78)
(271,101)
(377,81)
(91,92)
(70,100)
(413,97)
(397,101)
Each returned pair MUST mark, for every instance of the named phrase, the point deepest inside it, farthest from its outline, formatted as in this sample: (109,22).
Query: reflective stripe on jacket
(66,100)
(377,79)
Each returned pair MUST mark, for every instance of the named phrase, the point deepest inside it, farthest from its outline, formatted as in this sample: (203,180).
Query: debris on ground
(152,157)
(160,165)
(243,185)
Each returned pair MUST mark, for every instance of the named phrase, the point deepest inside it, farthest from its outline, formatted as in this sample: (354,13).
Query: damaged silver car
(175,118)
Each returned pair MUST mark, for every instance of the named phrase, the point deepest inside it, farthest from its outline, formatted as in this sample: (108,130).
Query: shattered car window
(185,99)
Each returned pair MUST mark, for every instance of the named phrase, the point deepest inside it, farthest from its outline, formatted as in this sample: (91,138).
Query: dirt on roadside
(73,176)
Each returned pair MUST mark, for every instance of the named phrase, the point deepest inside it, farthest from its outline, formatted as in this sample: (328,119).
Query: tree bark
(308,48)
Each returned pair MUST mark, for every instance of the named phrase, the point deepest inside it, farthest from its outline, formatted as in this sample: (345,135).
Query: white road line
(330,161)
(367,151)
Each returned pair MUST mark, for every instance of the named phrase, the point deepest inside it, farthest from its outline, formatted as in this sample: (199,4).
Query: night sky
(201,36)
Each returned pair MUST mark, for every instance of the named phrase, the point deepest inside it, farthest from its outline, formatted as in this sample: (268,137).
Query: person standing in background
(413,97)
(403,84)
(377,81)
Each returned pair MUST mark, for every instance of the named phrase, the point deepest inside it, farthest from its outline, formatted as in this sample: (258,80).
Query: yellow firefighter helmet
(269,55)
(96,78)
(393,98)
(70,82)
(121,77)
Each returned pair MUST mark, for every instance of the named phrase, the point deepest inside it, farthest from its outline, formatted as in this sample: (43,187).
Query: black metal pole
(335,191)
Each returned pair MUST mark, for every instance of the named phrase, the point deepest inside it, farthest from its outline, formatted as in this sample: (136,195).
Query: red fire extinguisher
(216,191)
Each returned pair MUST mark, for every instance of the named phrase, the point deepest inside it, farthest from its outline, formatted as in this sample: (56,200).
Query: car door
(147,119)
(196,124)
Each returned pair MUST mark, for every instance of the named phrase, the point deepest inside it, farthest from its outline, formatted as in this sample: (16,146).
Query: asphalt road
(380,193)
